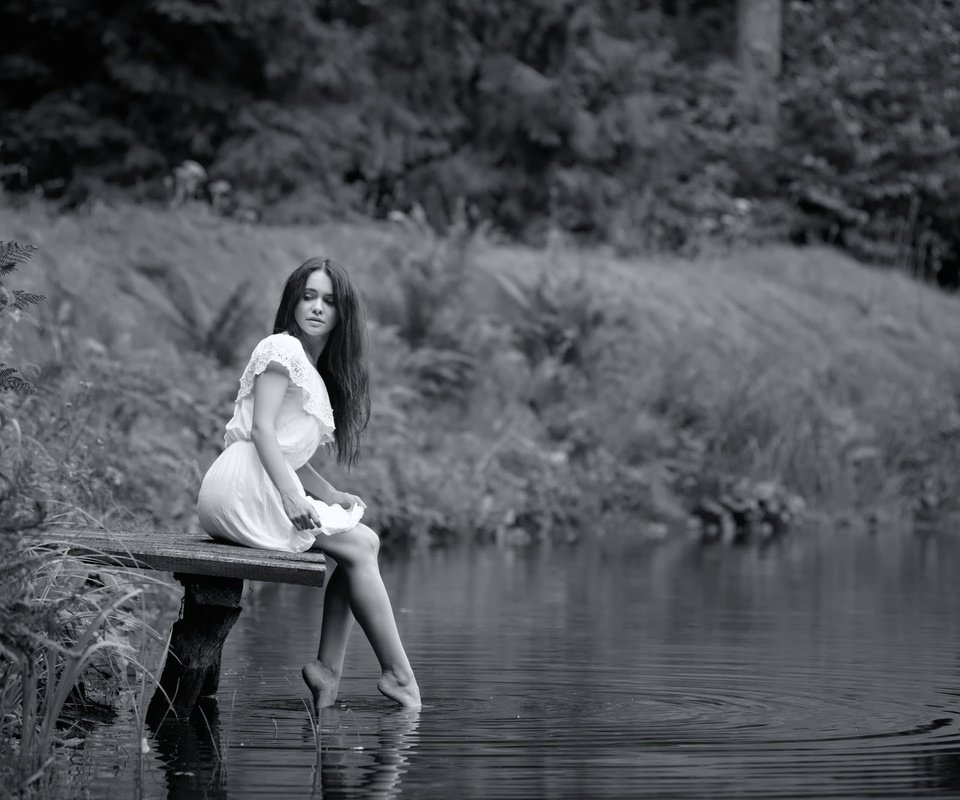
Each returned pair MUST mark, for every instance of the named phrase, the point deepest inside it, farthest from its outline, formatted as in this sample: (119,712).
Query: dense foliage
(518,393)
(12,255)
(607,118)
(872,125)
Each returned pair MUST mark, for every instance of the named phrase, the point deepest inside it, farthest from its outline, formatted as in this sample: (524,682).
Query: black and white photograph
(479,399)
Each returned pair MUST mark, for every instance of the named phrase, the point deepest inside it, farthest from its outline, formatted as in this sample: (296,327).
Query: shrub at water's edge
(519,394)
(73,642)
(75,646)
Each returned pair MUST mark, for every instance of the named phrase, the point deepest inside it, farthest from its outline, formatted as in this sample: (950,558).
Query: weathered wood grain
(212,574)
(196,554)
(192,667)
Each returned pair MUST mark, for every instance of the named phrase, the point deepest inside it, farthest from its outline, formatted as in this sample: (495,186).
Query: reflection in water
(192,753)
(352,760)
(939,768)
(940,771)
(347,769)
(822,667)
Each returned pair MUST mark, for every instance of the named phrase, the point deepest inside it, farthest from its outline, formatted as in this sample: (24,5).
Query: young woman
(304,386)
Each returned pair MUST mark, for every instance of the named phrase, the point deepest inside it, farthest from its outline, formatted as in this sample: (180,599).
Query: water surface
(828,666)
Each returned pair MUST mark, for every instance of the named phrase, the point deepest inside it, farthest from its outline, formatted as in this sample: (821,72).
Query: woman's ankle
(401,676)
(323,683)
(328,670)
(401,687)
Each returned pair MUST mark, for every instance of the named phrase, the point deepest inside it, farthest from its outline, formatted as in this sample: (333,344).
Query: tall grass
(66,634)
(69,641)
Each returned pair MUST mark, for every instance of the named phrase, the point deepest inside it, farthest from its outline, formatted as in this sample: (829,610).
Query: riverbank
(519,394)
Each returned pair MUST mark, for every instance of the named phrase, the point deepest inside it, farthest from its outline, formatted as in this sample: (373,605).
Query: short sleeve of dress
(286,350)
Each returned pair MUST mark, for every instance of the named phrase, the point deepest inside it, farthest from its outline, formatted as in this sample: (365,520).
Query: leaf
(13,254)
(226,329)
(22,299)
(11,379)
(514,290)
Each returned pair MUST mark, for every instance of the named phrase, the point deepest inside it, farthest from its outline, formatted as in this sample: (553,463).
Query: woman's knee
(358,546)
(364,545)
(369,538)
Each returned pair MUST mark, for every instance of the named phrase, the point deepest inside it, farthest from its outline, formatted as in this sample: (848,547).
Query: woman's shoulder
(279,344)
(287,351)
(283,349)
(283,341)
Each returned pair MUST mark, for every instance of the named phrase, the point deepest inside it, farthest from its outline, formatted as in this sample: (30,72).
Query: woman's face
(316,313)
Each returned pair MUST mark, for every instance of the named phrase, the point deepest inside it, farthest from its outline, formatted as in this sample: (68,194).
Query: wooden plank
(190,553)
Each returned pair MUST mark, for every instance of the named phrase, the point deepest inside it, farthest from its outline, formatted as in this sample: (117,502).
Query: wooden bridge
(212,574)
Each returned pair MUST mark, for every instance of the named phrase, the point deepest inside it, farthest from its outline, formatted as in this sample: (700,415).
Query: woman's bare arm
(316,485)
(268,392)
(319,487)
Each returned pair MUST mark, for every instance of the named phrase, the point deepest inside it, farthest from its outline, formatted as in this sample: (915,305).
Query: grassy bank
(76,647)
(518,393)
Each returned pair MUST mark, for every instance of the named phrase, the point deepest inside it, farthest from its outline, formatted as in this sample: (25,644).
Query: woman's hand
(346,500)
(301,513)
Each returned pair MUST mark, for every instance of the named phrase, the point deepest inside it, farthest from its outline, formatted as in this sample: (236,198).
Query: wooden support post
(210,608)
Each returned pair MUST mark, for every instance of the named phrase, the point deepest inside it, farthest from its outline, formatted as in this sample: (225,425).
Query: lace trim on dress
(286,350)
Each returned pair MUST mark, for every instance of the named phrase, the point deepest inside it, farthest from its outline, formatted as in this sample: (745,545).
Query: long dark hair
(343,362)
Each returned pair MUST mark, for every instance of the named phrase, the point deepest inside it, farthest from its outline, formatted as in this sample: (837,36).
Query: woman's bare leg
(323,675)
(356,555)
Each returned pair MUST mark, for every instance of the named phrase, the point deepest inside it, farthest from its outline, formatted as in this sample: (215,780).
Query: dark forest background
(643,123)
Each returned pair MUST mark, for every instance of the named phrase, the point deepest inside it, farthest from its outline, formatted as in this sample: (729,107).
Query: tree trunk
(759,39)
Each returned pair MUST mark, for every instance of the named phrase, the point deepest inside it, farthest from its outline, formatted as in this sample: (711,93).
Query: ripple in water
(825,670)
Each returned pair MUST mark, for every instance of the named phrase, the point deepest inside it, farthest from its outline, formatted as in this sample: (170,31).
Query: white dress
(238,502)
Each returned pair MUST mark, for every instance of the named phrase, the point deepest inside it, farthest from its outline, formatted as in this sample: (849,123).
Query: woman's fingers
(304,518)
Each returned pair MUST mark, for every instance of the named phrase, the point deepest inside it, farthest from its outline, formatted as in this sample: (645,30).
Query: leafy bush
(424,284)
(557,316)
(221,333)
(66,637)
(605,392)
(12,254)
(63,631)
(871,139)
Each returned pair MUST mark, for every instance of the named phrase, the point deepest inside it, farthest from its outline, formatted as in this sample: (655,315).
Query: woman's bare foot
(401,689)
(323,682)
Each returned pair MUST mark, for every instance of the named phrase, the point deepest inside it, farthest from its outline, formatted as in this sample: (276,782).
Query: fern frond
(12,254)
(179,291)
(22,299)
(12,380)
(237,303)
(515,291)
(225,332)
